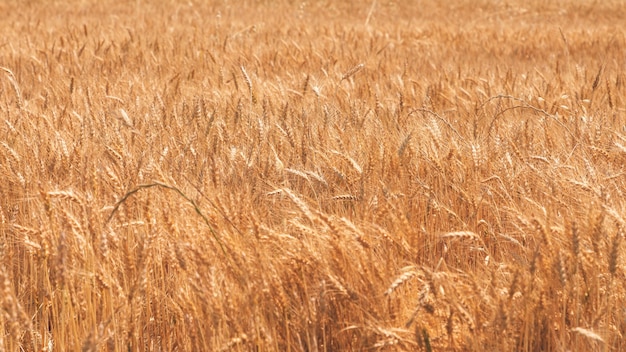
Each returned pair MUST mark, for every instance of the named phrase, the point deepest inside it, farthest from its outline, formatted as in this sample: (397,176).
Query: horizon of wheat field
(312,175)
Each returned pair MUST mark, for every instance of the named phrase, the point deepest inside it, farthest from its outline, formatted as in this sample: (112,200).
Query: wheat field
(312,176)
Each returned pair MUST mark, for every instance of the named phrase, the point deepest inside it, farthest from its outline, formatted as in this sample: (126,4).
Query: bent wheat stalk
(172,188)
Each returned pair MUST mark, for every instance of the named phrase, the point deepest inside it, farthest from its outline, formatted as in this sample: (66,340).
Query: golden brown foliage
(312,176)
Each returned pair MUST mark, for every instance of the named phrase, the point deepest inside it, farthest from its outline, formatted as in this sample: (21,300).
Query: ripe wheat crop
(312,176)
